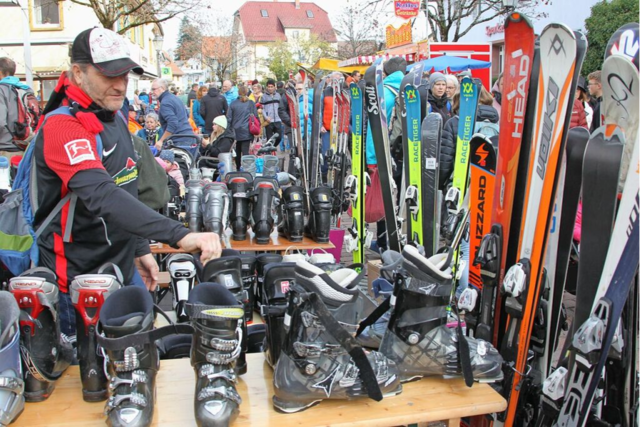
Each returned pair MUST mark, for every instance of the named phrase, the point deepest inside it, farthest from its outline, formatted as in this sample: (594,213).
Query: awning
(452,63)
(370,59)
(333,65)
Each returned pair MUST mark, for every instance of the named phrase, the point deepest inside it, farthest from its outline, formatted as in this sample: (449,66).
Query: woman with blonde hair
(452,85)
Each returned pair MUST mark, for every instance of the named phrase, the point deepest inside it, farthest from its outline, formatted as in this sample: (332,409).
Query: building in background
(53,25)
(258,25)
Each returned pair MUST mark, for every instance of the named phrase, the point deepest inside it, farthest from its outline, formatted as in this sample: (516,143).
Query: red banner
(400,36)
(406,9)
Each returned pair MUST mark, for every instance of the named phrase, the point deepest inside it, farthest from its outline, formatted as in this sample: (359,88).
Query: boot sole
(94,396)
(292,407)
(39,396)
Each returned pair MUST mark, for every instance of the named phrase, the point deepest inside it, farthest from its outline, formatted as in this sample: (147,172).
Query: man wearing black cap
(109,224)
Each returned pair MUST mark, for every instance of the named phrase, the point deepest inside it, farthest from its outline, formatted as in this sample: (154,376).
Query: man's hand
(148,269)
(323,130)
(159,146)
(207,243)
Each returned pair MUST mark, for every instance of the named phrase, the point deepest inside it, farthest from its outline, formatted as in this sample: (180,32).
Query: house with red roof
(260,24)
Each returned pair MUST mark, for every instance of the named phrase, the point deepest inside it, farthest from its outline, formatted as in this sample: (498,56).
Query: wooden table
(277,243)
(430,399)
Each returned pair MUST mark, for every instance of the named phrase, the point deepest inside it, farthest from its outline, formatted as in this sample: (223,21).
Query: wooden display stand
(430,399)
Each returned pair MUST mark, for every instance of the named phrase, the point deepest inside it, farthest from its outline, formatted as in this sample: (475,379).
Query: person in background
(136,100)
(452,85)
(134,126)
(496,92)
(356,76)
(221,140)
(462,75)
(280,89)
(212,105)
(583,95)
(438,96)
(256,92)
(192,93)
(144,97)
(195,108)
(283,112)
(173,117)
(152,131)
(270,103)
(578,115)
(595,90)
(299,89)
(167,159)
(229,91)
(238,120)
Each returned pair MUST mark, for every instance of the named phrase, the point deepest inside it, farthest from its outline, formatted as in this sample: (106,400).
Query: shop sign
(398,36)
(406,9)
(494,29)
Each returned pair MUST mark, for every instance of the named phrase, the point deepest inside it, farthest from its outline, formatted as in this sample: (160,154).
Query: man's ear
(76,73)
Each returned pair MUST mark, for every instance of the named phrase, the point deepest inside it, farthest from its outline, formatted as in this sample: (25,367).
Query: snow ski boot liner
(248,164)
(126,333)
(293,214)
(215,207)
(88,293)
(270,168)
(265,208)
(320,215)
(182,269)
(278,279)
(46,353)
(11,383)
(226,164)
(261,262)
(217,319)
(194,196)
(320,358)
(240,185)
(418,338)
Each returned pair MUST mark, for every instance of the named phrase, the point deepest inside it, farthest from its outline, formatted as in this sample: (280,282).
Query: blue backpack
(18,238)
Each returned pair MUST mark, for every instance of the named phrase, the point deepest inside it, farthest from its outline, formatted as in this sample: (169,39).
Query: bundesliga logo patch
(79,150)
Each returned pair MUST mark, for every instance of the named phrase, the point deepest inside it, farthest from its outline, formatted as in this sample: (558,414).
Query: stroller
(185,161)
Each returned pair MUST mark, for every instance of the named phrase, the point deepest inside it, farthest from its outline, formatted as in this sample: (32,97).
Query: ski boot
(320,358)
(292,226)
(320,215)
(215,207)
(325,261)
(194,212)
(261,263)
(265,208)
(219,329)
(11,383)
(240,185)
(270,166)
(207,174)
(249,283)
(418,338)
(225,165)
(46,353)
(248,164)
(278,278)
(182,270)
(126,333)
(227,271)
(195,174)
(88,293)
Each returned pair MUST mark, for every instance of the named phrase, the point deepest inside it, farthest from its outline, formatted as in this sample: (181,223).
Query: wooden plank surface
(430,399)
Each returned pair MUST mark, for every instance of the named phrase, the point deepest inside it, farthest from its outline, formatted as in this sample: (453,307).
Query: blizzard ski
(522,283)
(377,112)
(519,57)
(430,195)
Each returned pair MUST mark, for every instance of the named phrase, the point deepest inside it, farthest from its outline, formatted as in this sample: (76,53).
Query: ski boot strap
(38,373)
(310,320)
(348,342)
(374,316)
(227,393)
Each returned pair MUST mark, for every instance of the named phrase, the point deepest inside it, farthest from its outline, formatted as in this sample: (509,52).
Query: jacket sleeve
(283,112)
(203,107)
(168,111)
(105,199)
(447,151)
(4,101)
(195,108)
(225,105)
(230,117)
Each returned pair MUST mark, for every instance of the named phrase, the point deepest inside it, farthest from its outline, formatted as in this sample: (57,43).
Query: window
(264,13)
(295,34)
(46,15)
(309,14)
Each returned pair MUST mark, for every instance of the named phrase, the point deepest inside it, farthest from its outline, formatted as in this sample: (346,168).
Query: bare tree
(359,34)
(133,13)
(221,46)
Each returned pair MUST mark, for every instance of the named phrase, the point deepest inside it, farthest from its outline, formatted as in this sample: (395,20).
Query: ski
(519,57)
(377,112)
(522,283)
(413,165)
(431,196)
(316,138)
(297,151)
(341,158)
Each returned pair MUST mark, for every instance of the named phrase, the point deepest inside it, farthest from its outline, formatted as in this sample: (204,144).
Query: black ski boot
(265,208)
(215,207)
(240,185)
(278,278)
(88,293)
(217,319)
(126,333)
(320,215)
(249,280)
(11,382)
(261,262)
(46,353)
(194,212)
(320,358)
(227,271)
(418,339)
(182,269)
(292,225)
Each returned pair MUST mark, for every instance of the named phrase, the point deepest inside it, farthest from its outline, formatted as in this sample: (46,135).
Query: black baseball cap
(105,50)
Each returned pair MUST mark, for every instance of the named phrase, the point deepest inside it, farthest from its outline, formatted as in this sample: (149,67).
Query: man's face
(299,88)
(256,88)
(357,77)
(226,86)
(107,92)
(595,88)
(271,88)
(439,88)
(156,89)
(194,87)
